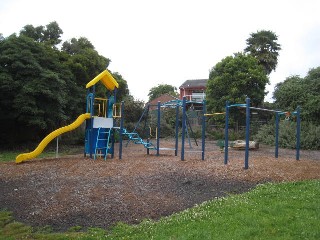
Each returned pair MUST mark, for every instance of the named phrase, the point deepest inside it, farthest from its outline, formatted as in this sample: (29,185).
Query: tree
(288,94)
(133,110)
(85,63)
(295,91)
(161,89)
(123,89)
(33,87)
(43,88)
(304,92)
(234,79)
(263,46)
(49,34)
(75,46)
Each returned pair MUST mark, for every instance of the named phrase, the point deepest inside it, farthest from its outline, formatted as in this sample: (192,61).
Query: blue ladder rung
(105,149)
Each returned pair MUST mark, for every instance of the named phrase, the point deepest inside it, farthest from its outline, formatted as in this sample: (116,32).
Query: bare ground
(74,190)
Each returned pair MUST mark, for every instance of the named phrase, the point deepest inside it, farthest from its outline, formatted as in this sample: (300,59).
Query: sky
(152,42)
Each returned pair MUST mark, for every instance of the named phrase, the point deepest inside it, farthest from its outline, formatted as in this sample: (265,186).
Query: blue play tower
(99,132)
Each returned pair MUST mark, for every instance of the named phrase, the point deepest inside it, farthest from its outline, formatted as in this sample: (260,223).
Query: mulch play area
(74,190)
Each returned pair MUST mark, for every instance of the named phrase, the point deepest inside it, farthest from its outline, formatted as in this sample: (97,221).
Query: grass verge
(270,211)
(10,156)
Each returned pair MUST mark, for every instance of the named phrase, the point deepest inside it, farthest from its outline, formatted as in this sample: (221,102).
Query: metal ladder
(133,136)
(102,143)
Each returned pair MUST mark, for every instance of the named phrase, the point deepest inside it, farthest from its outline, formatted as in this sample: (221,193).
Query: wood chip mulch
(77,191)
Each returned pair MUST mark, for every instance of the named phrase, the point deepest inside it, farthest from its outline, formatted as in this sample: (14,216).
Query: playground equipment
(147,143)
(98,127)
(50,137)
(134,136)
(247,142)
(184,127)
(99,132)
(278,114)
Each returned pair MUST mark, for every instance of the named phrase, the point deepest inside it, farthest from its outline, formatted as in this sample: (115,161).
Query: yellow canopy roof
(107,80)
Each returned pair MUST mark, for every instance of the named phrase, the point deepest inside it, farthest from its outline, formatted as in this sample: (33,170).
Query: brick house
(194,90)
(163,98)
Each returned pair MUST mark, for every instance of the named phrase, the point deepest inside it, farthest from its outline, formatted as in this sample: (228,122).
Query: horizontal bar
(238,105)
(212,114)
(167,149)
(261,109)
(268,110)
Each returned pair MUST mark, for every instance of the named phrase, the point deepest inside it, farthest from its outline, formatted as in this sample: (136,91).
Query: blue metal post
(298,134)
(112,143)
(112,131)
(88,121)
(158,129)
(148,133)
(204,127)
(121,129)
(91,125)
(246,160)
(115,95)
(177,130)
(226,131)
(276,153)
(183,126)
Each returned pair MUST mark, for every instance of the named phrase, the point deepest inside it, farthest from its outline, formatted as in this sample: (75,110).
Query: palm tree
(263,46)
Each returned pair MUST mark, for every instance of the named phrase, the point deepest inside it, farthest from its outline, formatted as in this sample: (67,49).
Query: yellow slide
(26,156)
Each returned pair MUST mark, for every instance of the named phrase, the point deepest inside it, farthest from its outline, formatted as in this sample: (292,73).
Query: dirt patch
(75,190)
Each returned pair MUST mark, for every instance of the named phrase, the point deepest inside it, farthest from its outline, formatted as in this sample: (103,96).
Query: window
(198,95)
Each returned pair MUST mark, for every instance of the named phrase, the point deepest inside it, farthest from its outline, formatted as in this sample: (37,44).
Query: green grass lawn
(10,156)
(270,211)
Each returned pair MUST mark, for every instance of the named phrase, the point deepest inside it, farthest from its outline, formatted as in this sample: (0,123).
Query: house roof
(163,98)
(195,83)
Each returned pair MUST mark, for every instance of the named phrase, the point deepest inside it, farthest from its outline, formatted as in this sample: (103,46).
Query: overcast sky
(153,42)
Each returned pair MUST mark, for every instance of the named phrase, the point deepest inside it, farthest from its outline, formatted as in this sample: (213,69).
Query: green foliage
(264,47)
(215,134)
(123,90)
(43,88)
(33,87)
(309,138)
(85,63)
(5,218)
(168,122)
(133,110)
(75,229)
(49,34)
(160,90)
(8,156)
(148,126)
(84,59)
(17,230)
(76,46)
(218,134)
(234,79)
(270,211)
(304,92)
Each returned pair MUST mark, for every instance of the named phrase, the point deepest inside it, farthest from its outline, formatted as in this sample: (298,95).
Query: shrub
(309,137)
